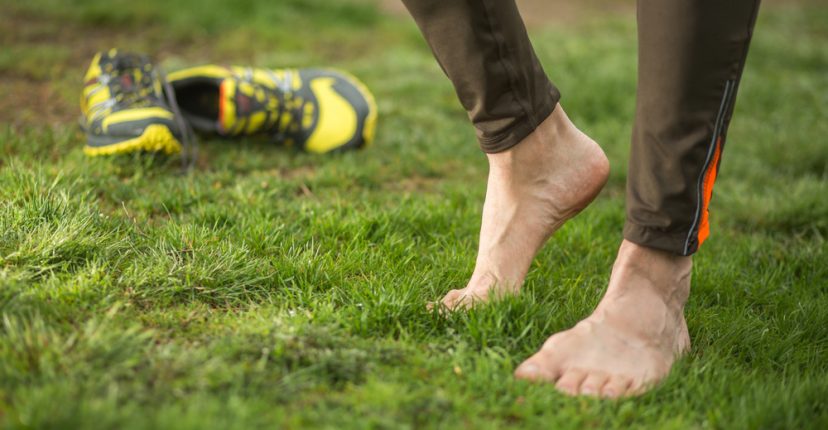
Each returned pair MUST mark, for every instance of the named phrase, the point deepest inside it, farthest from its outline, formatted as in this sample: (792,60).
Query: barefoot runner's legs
(692,53)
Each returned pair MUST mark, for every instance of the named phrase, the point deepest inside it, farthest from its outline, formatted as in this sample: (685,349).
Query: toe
(465,301)
(571,381)
(591,386)
(538,368)
(452,298)
(616,386)
(639,386)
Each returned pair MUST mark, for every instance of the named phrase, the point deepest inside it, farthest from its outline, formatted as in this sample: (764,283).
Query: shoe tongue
(240,112)
(237,109)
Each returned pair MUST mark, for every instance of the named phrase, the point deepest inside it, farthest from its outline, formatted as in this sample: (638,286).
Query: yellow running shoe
(124,109)
(318,110)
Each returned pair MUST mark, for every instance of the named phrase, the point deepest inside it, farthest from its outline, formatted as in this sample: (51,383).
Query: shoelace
(189,151)
(283,94)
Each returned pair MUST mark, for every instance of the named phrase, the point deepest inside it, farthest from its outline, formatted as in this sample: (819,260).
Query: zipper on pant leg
(691,244)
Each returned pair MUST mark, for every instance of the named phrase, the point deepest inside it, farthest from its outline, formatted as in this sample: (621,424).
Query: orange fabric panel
(707,192)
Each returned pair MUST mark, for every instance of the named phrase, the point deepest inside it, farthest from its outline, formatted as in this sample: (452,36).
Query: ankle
(557,124)
(665,274)
(555,128)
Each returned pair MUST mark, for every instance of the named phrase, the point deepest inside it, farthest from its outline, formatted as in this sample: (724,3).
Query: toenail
(609,393)
(588,391)
(529,368)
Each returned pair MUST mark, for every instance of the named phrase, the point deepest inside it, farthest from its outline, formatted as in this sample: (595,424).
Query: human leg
(543,170)
(691,57)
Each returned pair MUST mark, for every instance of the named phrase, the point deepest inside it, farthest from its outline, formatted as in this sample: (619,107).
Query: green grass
(269,288)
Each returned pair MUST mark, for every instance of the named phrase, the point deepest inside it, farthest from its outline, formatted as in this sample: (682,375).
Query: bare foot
(632,339)
(533,188)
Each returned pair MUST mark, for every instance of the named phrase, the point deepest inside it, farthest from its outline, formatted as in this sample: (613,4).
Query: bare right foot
(632,339)
(533,188)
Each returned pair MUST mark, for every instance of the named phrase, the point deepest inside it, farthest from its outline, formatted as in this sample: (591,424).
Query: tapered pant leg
(483,48)
(691,56)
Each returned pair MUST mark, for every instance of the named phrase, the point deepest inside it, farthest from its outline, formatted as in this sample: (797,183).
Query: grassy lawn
(269,288)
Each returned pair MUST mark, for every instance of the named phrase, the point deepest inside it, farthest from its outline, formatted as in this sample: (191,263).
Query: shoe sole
(155,138)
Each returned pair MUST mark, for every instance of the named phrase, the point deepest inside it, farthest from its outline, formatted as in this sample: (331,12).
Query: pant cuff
(520,129)
(658,239)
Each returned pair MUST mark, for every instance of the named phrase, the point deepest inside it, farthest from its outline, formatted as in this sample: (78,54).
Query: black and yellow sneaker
(318,110)
(124,109)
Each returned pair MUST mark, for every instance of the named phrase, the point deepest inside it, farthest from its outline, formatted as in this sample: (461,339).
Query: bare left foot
(631,340)
(533,188)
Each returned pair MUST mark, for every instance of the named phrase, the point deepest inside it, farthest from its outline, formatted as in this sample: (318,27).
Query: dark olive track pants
(691,55)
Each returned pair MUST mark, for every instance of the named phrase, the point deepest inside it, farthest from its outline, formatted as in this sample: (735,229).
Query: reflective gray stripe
(717,129)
